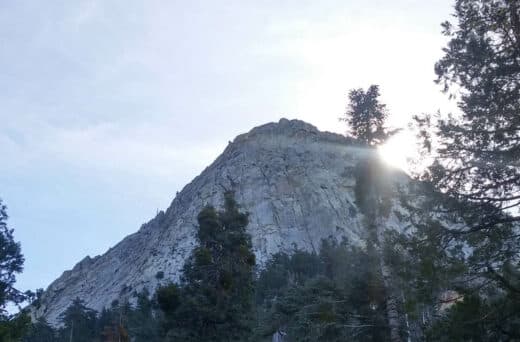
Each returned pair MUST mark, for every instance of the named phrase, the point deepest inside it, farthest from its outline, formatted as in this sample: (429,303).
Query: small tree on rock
(366,116)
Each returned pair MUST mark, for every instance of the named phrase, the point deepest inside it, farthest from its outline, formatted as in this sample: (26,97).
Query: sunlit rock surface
(296,182)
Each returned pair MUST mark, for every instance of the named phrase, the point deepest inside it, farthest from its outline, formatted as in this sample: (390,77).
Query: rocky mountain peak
(295,181)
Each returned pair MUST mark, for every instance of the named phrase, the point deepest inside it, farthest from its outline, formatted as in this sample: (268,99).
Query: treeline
(343,292)
(330,295)
(327,296)
(120,322)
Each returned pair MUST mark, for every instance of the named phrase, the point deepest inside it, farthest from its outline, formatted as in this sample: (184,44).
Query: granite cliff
(296,182)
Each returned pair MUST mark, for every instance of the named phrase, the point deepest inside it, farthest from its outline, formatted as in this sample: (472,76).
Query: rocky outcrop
(295,181)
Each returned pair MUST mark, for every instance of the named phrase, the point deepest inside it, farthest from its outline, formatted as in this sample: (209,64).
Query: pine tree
(40,331)
(107,324)
(143,325)
(214,300)
(11,264)
(366,116)
(373,198)
(479,155)
(475,176)
(477,318)
(112,324)
(79,323)
(320,297)
(12,327)
(427,264)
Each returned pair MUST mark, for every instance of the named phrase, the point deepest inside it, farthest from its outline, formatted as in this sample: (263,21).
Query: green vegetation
(329,296)
(343,292)
(366,116)
(12,327)
(79,322)
(474,178)
(122,322)
(214,299)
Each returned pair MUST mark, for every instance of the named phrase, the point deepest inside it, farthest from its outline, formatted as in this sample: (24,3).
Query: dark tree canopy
(475,177)
(327,296)
(214,300)
(366,116)
(40,331)
(11,263)
(12,327)
(79,323)
(477,161)
(479,155)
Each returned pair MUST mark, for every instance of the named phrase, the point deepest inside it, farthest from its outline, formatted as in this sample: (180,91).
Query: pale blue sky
(108,108)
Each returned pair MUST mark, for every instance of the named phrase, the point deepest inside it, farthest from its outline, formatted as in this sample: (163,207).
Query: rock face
(296,182)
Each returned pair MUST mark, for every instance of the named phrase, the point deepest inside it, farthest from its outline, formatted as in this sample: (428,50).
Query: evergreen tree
(111,325)
(12,327)
(366,116)
(79,323)
(479,155)
(40,331)
(427,265)
(332,301)
(478,318)
(437,257)
(11,264)
(143,324)
(107,324)
(284,270)
(475,175)
(373,197)
(214,301)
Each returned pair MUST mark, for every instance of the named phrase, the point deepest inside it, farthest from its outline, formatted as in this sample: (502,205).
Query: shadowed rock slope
(296,182)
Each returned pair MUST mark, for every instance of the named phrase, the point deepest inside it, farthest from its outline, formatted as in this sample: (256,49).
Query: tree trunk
(373,213)
(71,331)
(391,302)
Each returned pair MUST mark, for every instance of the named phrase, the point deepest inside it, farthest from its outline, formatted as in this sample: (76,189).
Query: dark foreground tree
(475,175)
(373,197)
(12,327)
(478,159)
(478,318)
(214,300)
(11,264)
(366,116)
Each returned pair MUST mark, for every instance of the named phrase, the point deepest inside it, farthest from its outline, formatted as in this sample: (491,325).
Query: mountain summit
(296,183)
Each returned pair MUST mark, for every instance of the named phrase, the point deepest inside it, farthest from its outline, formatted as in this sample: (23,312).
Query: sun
(398,150)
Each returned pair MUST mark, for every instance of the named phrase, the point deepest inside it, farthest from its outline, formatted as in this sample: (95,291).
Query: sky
(109,107)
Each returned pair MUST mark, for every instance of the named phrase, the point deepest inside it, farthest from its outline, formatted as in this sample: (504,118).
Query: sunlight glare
(398,150)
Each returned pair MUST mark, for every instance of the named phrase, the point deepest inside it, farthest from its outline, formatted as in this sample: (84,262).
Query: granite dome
(295,182)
